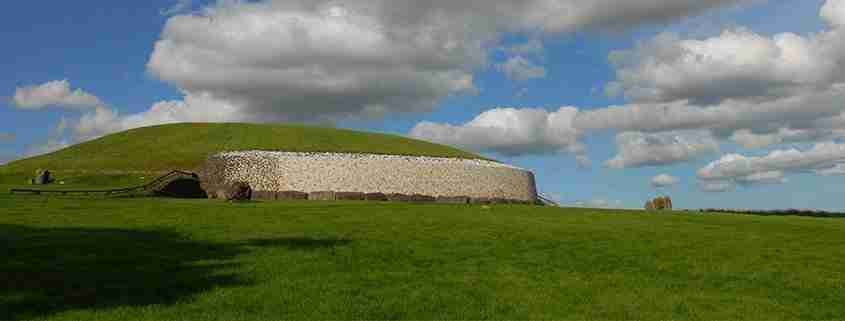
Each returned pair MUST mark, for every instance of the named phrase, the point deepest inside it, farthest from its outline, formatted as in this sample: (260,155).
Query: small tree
(659,203)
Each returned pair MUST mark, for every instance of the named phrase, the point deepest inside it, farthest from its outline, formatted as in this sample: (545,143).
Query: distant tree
(659,203)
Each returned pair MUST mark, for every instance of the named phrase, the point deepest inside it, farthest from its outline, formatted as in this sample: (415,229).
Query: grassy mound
(167,259)
(186,146)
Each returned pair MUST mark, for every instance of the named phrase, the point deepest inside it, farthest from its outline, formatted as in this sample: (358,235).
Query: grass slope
(186,146)
(162,259)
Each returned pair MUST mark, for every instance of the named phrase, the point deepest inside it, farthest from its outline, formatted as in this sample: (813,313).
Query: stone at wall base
(375,197)
(322,196)
(263,196)
(396,197)
(291,196)
(500,201)
(349,196)
(453,200)
(480,200)
(418,198)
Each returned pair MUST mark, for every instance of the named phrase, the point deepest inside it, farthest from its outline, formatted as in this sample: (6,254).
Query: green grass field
(185,146)
(169,259)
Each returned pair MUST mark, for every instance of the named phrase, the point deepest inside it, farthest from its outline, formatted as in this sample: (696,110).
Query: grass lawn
(168,259)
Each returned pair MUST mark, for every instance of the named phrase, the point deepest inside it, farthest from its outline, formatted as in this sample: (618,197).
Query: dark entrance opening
(182,188)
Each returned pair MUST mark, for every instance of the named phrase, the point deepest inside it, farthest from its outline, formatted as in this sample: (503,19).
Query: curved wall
(311,172)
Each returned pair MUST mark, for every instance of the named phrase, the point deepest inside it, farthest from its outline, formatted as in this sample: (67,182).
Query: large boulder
(42,177)
(237,191)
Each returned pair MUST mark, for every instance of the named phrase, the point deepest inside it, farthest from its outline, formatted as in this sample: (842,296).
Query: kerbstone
(322,196)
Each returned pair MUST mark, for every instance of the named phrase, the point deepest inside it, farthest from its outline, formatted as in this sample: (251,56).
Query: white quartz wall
(311,172)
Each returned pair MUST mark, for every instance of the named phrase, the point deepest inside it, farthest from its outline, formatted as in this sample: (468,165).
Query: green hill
(186,146)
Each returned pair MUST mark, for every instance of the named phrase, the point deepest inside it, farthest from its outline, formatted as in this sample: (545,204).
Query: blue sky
(123,62)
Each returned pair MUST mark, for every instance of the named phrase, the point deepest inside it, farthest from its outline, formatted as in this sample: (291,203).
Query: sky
(716,103)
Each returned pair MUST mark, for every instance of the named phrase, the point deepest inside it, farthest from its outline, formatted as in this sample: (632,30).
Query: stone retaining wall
(367,173)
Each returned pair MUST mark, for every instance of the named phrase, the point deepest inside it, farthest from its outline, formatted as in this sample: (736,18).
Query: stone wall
(367,173)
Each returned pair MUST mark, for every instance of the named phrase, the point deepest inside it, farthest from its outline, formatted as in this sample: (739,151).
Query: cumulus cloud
(835,170)
(7,158)
(55,93)
(771,177)
(7,137)
(758,90)
(520,69)
(736,64)
(664,180)
(599,203)
(752,89)
(823,158)
(799,111)
(276,61)
(716,186)
(531,47)
(508,131)
(748,139)
(56,141)
(178,7)
(192,108)
(285,60)
(636,149)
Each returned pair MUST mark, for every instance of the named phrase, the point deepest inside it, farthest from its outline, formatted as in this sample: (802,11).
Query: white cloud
(277,60)
(56,141)
(637,149)
(752,89)
(284,60)
(55,93)
(7,137)
(771,177)
(179,7)
(531,47)
(821,158)
(748,139)
(7,158)
(833,12)
(583,161)
(508,131)
(729,115)
(520,69)
(736,64)
(599,203)
(716,186)
(664,180)
(835,170)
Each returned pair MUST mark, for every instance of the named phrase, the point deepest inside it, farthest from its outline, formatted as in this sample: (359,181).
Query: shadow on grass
(44,271)
(298,243)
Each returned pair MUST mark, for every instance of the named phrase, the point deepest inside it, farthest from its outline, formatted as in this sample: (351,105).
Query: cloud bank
(685,96)
(317,61)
